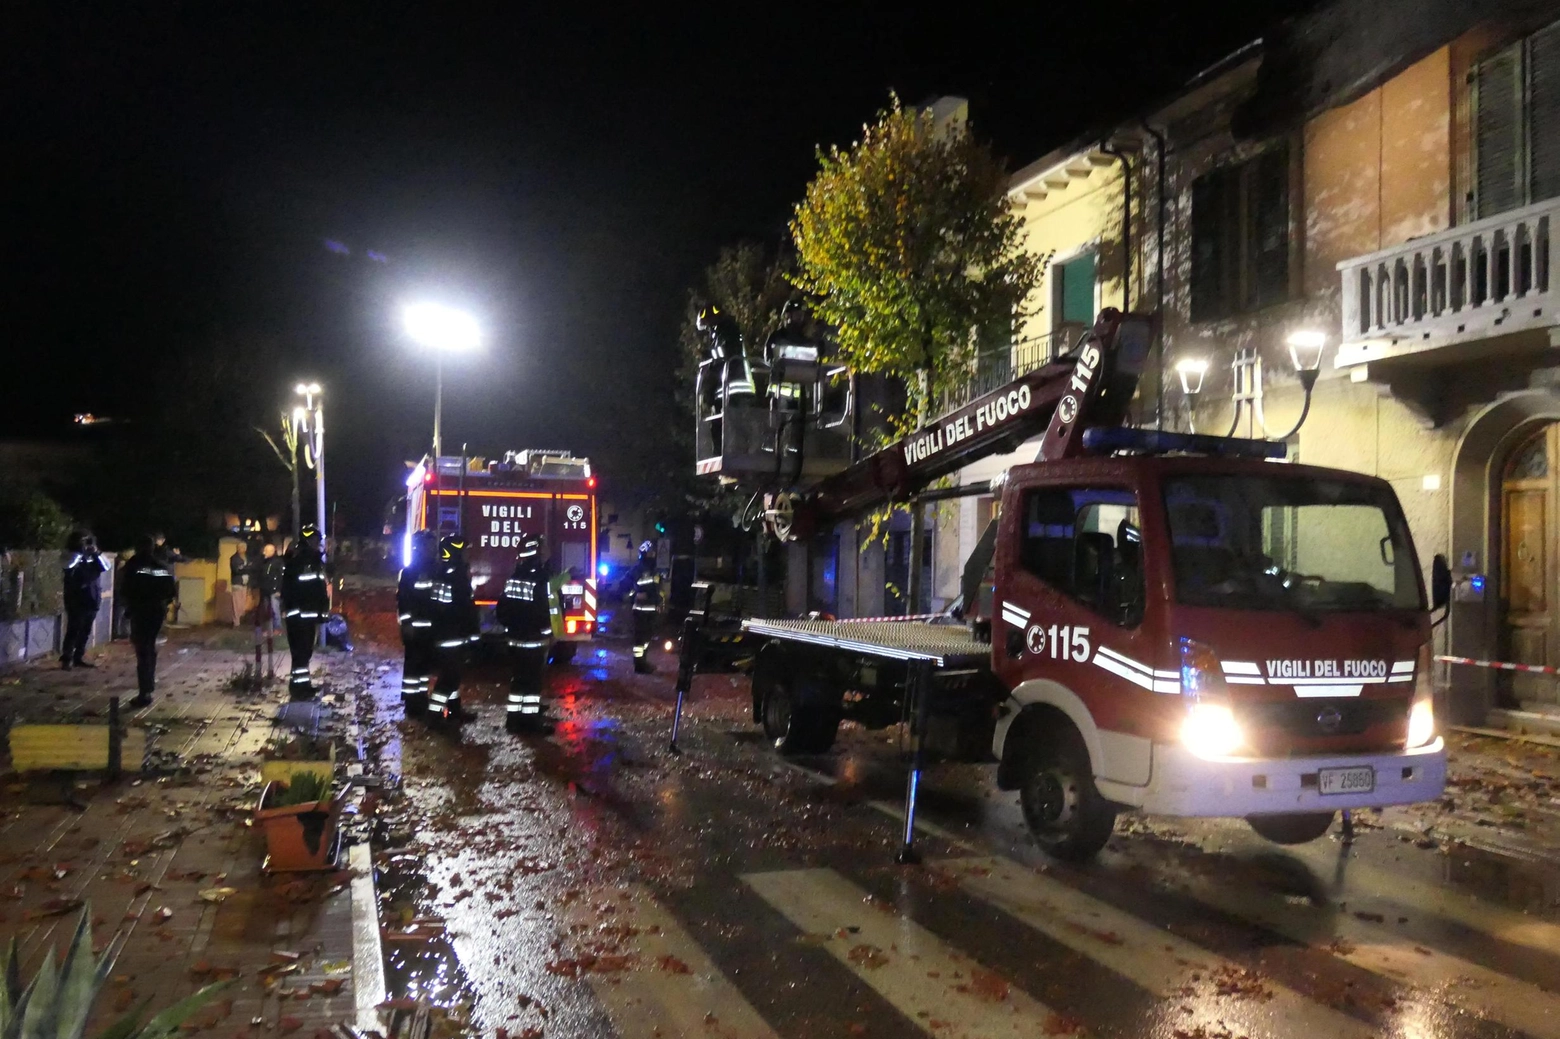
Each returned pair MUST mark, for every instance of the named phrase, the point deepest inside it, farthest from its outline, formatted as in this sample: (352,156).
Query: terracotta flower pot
(297,837)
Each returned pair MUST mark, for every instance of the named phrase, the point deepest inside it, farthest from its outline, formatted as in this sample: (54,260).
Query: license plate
(1359,779)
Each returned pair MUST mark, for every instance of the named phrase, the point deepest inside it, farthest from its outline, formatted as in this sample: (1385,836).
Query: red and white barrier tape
(867,620)
(1500,665)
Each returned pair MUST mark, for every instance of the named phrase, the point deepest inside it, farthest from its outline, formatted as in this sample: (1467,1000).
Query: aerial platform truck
(1167,623)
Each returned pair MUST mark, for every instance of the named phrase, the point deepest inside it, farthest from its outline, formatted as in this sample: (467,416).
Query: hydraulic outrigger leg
(687,662)
(920,693)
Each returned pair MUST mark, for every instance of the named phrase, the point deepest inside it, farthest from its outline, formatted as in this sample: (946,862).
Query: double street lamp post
(309,430)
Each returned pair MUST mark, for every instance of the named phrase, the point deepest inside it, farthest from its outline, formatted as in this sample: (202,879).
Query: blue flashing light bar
(603,569)
(1158,442)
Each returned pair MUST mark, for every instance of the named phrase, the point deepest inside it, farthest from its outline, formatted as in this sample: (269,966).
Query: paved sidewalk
(170,857)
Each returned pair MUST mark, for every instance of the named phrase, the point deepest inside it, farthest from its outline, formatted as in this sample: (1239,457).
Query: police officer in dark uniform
(305,602)
(414,607)
(523,611)
(84,569)
(647,603)
(454,624)
(148,587)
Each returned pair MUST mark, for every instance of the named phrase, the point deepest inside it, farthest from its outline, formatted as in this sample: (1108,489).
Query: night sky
(218,173)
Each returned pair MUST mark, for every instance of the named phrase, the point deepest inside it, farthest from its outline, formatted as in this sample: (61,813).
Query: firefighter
(414,607)
(305,602)
(454,625)
(84,569)
(789,342)
(148,588)
(723,341)
(647,602)
(524,613)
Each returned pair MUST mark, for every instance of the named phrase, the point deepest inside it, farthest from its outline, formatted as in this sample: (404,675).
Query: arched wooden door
(1530,570)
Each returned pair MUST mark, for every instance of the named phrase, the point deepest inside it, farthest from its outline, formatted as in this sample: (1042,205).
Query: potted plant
(299,818)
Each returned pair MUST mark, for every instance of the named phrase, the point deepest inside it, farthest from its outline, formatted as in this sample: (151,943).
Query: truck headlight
(1211,731)
(1421,715)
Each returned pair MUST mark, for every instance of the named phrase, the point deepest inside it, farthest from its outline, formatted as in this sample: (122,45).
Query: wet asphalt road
(586,882)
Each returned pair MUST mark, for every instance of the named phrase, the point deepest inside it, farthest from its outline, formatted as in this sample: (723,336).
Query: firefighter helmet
(452,546)
(531,546)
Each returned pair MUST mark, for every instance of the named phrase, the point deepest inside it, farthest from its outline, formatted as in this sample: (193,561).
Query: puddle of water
(1528,887)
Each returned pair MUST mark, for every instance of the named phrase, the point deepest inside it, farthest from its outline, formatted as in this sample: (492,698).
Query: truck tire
(798,717)
(1292,827)
(562,653)
(1062,808)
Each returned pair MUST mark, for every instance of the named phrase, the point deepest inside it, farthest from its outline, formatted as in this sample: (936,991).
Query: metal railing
(1485,278)
(997,367)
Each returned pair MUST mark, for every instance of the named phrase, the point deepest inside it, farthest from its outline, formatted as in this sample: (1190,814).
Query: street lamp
(310,418)
(1305,352)
(1190,370)
(444,330)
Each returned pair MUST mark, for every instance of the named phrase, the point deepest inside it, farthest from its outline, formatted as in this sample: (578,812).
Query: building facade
(1382,177)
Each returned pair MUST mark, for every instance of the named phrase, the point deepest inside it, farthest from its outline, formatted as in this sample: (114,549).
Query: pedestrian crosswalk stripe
(929,982)
(1446,902)
(671,987)
(1157,960)
(1390,952)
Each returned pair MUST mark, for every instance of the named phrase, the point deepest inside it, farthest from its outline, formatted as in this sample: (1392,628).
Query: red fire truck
(494,503)
(1157,622)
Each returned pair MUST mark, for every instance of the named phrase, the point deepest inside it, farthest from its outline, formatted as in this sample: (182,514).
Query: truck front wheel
(798,717)
(1065,813)
(1292,827)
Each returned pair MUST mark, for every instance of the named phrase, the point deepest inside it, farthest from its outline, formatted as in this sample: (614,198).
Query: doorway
(1530,566)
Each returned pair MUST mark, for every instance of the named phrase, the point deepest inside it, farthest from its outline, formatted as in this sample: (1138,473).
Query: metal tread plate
(894,640)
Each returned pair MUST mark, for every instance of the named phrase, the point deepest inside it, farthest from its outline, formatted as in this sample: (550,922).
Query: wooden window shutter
(1268,241)
(1215,218)
(1497,133)
(1543,117)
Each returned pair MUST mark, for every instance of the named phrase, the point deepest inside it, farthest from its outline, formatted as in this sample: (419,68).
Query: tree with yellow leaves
(908,246)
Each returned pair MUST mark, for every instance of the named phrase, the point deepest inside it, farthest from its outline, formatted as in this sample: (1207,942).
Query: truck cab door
(1070,598)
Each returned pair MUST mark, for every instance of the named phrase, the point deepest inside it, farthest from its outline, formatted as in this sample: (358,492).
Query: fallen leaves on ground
(868,956)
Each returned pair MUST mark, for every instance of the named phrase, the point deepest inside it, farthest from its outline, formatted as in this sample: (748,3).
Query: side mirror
(1440,582)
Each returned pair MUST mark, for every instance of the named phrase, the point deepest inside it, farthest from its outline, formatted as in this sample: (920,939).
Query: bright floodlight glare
(1211,731)
(313,388)
(300,416)
(1191,371)
(1305,349)
(441,328)
(300,389)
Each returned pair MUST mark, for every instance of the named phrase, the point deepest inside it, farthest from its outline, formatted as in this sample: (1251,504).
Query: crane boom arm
(1091,386)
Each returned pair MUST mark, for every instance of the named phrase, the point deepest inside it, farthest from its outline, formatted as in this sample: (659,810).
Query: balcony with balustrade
(1493,278)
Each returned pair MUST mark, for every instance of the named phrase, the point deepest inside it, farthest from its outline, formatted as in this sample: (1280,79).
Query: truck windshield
(1286,543)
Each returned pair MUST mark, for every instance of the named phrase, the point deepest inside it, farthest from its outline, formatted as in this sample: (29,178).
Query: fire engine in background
(497,502)
(1160,622)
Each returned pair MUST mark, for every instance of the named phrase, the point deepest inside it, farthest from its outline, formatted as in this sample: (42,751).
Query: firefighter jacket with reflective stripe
(305,594)
(647,589)
(522,608)
(414,600)
(454,610)
(147,585)
(83,590)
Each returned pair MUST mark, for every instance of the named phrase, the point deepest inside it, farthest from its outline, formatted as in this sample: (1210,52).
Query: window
(1277,543)
(1086,543)
(1516,124)
(1072,298)
(1240,237)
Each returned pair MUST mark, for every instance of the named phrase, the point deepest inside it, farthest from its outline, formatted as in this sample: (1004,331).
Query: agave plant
(56,1003)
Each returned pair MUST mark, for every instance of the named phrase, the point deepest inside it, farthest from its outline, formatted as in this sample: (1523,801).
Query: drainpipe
(1159,270)
(1126,225)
